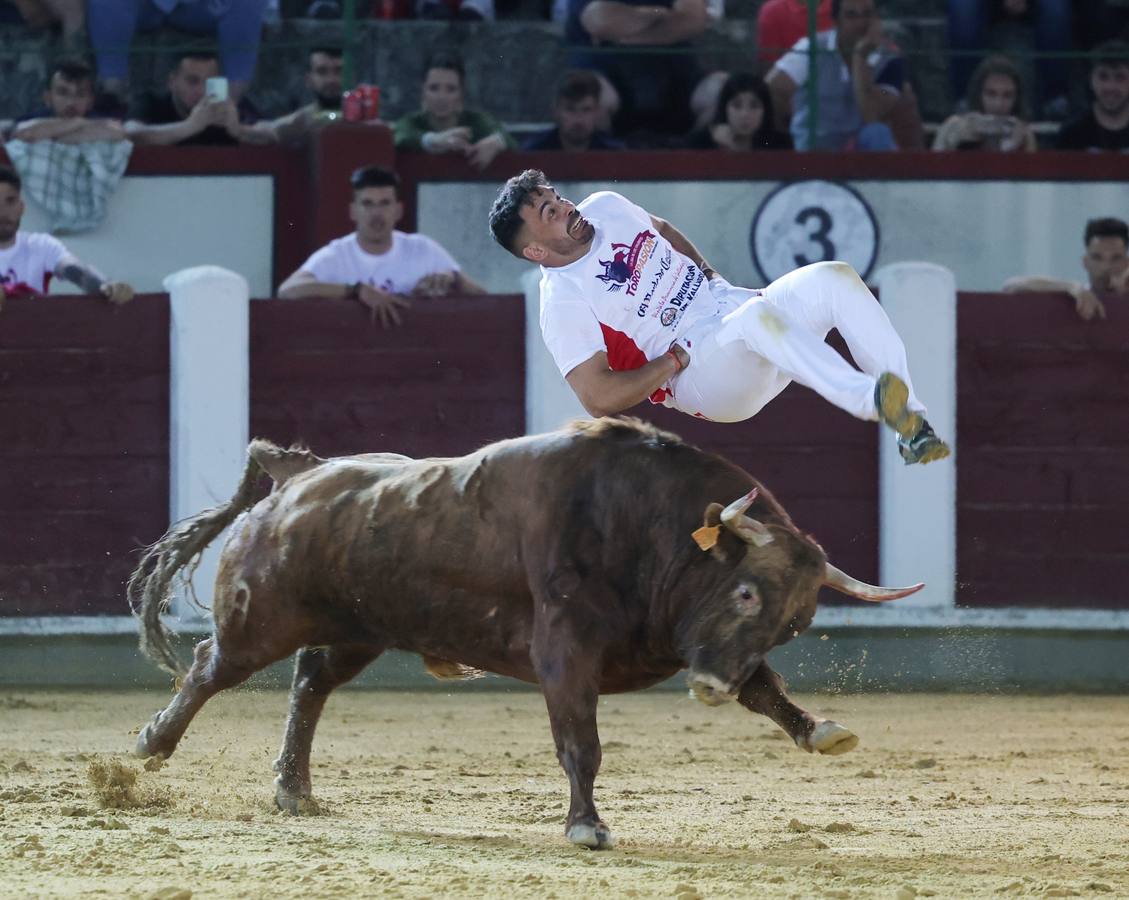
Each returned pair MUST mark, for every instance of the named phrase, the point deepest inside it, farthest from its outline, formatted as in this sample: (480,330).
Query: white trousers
(760,341)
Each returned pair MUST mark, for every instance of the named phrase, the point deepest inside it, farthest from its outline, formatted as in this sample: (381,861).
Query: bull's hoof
(295,804)
(143,749)
(831,739)
(594,837)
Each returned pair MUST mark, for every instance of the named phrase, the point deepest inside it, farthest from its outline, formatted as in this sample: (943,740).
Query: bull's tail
(176,554)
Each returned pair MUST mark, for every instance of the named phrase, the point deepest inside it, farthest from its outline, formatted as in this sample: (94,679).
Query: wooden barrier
(1042,435)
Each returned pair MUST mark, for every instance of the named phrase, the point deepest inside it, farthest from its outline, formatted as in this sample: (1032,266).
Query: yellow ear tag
(706,536)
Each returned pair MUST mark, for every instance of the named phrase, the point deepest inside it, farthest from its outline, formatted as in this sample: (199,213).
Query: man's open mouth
(576,224)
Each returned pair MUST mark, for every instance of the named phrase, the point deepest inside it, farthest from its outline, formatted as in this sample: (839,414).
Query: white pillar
(209,402)
(549,401)
(917,504)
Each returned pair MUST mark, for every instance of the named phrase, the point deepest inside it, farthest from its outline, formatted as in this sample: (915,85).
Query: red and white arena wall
(116,420)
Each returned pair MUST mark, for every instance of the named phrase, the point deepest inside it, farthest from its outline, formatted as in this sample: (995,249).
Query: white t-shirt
(630,295)
(411,257)
(30,262)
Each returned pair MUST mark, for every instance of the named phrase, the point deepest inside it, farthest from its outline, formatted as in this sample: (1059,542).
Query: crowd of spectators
(652,90)
(632,78)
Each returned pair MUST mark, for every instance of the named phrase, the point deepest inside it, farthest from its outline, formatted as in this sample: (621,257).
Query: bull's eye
(748,601)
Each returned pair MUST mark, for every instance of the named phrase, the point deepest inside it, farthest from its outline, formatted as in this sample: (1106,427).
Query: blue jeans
(968,32)
(237,25)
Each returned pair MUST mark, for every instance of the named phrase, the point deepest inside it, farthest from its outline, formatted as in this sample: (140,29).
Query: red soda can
(352,106)
(370,96)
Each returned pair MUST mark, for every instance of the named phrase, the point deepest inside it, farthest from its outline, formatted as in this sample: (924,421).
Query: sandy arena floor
(458,794)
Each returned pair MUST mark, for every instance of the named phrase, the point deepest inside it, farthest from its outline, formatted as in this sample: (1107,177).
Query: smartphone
(216,88)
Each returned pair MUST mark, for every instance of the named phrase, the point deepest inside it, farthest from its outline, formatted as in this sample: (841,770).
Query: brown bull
(577,560)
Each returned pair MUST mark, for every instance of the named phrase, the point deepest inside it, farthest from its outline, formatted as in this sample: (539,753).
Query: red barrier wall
(1043,461)
(448,380)
(84,473)
(1043,434)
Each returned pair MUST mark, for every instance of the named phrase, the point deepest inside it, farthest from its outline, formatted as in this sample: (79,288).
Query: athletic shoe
(890,398)
(923,447)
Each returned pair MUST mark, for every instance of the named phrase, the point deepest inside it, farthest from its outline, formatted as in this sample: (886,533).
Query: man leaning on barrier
(29,260)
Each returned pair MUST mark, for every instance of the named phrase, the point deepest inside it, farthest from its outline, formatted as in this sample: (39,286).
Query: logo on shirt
(627,262)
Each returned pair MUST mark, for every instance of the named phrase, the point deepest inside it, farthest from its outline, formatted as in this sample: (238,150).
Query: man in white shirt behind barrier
(376,264)
(630,310)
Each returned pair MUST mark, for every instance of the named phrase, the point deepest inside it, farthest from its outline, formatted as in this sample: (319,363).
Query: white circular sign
(804,222)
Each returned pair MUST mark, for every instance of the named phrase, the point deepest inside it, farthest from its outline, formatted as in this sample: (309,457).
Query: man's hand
(227,115)
(437,284)
(1087,305)
(207,112)
(117,292)
(871,40)
(481,153)
(382,304)
(681,354)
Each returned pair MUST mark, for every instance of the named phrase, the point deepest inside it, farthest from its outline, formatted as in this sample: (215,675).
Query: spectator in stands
(1106,262)
(376,264)
(649,90)
(859,80)
(236,25)
(576,112)
(742,120)
(188,115)
(780,23)
(69,15)
(65,116)
(444,125)
(324,73)
(28,261)
(997,112)
(969,22)
(1105,126)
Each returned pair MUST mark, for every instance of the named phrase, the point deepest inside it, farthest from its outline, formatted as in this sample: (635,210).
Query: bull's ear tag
(706,536)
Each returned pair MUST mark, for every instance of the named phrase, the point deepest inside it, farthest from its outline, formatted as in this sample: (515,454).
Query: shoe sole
(932,453)
(892,410)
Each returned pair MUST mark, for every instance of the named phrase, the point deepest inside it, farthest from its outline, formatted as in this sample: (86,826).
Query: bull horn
(841,581)
(747,529)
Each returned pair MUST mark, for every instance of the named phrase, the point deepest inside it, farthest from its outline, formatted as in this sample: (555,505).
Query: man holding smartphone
(196,110)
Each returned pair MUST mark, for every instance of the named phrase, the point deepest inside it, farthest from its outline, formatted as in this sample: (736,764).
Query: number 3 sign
(812,221)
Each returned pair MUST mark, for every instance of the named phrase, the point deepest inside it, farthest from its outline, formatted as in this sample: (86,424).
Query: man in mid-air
(631,310)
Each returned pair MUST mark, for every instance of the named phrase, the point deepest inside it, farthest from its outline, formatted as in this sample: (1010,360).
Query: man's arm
(206,112)
(303,284)
(782,88)
(46,129)
(1086,303)
(603,392)
(611,21)
(686,19)
(873,102)
(466,285)
(683,245)
(90,281)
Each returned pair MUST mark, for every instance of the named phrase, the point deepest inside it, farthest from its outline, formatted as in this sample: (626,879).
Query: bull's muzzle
(710,690)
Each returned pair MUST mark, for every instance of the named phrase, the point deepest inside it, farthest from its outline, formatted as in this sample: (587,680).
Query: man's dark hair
(1110,53)
(446,61)
(334,52)
(374,176)
(505,214)
(577,85)
(73,70)
(1107,227)
(200,53)
(997,65)
(8,175)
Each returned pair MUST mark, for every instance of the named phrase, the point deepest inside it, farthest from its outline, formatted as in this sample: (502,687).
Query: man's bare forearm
(86,278)
(323,290)
(1040,284)
(47,129)
(616,391)
(684,245)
